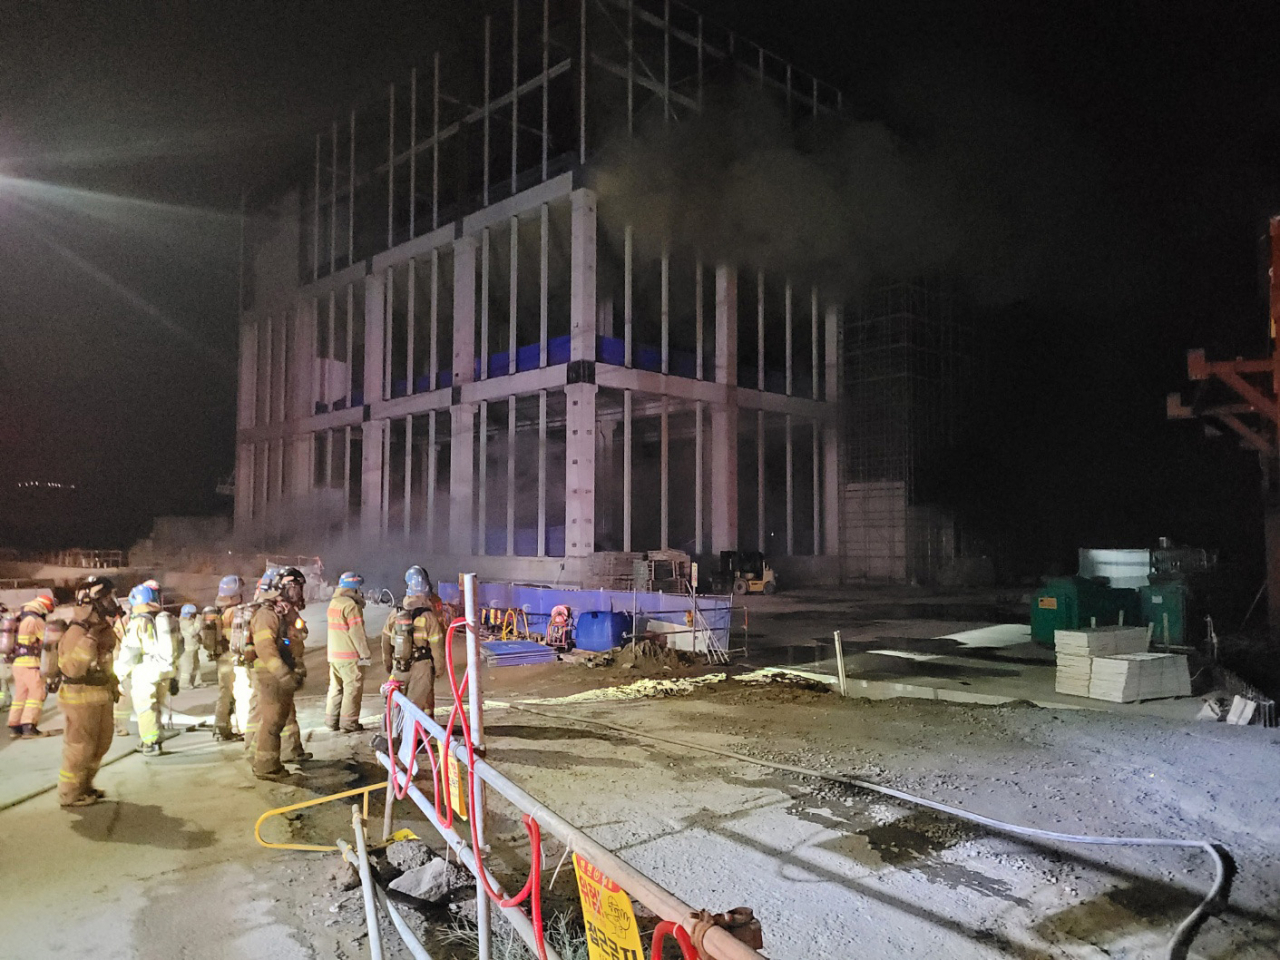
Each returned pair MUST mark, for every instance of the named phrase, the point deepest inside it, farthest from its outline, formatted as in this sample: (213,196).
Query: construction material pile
(1113,664)
(516,653)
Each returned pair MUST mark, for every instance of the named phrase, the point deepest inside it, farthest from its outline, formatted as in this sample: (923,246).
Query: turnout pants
(245,699)
(226,681)
(346,691)
(148,704)
(123,707)
(279,726)
(189,668)
(87,711)
(28,696)
(420,685)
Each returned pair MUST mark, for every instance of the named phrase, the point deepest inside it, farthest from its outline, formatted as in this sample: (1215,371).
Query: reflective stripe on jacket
(347,638)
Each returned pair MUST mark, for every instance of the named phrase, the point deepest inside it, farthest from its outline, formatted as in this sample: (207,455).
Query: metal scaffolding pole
(484,304)
(788,327)
(435,140)
(433,374)
(628,245)
(410,323)
(391,170)
(666,310)
(546,81)
(485,108)
(413,156)
(333,203)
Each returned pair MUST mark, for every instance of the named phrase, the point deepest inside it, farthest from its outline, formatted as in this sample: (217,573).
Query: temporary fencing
(455,755)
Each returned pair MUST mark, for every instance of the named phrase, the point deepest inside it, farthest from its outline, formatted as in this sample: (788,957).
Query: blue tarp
(538,602)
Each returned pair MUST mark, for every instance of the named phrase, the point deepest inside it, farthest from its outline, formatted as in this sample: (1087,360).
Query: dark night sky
(1124,154)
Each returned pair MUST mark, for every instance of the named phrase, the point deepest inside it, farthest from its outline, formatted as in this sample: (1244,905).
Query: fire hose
(532,889)
(1213,903)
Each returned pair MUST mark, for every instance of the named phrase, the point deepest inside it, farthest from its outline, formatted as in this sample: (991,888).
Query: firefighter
(8,636)
(413,641)
(247,715)
(189,661)
(217,648)
(147,656)
(276,628)
(28,686)
(348,655)
(88,687)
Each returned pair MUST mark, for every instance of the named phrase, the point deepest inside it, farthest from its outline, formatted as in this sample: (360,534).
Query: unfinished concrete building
(444,346)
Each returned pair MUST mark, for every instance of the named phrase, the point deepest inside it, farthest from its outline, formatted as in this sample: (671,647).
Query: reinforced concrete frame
(462,369)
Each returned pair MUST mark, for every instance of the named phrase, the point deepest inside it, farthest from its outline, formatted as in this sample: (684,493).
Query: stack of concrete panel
(1100,641)
(1073,675)
(1139,676)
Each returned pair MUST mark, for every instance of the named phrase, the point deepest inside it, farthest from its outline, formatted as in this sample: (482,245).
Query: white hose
(1213,903)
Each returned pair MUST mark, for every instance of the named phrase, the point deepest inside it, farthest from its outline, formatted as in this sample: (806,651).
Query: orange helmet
(46,600)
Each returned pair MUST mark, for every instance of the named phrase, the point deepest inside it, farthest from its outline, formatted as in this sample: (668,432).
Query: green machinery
(1069,603)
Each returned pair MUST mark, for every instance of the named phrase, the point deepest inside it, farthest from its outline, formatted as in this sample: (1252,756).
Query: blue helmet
(416,580)
(188,610)
(351,580)
(142,595)
(230,586)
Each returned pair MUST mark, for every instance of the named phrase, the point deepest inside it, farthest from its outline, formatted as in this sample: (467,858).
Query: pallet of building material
(1073,675)
(1128,677)
(1100,641)
(515,653)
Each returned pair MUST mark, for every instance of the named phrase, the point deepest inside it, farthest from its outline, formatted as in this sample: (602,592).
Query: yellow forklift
(744,572)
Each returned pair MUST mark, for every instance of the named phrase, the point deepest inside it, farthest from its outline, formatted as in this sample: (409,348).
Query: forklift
(744,572)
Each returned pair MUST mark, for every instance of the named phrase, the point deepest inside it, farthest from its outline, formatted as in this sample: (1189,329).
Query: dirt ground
(169,869)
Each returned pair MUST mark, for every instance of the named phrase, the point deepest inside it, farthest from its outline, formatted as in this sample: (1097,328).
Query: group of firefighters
(257,643)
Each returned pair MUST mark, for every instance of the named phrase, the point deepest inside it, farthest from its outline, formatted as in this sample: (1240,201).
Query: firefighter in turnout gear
(348,655)
(413,641)
(277,629)
(147,656)
(296,634)
(28,686)
(189,662)
(235,624)
(215,631)
(88,687)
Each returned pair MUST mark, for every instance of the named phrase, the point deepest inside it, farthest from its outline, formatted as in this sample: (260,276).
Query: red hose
(682,937)
(532,889)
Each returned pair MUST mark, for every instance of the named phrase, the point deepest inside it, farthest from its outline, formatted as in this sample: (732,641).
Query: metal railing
(416,728)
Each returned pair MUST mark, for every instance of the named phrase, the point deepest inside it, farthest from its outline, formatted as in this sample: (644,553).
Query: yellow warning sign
(606,910)
(1048,603)
(457,786)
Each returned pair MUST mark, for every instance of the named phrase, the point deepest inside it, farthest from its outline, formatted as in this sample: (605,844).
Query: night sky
(1122,155)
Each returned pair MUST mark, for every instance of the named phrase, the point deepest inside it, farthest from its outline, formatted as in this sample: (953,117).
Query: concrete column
(407,518)
(486,261)
(727,327)
(542,473)
(511,476)
(385,518)
(626,471)
(464,313)
(430,479)
(817,487)
(664,460)
(461,477)
(699,483)
(724,477)
(247,396)
(582,300)
(831,490)
(375,326)
(482,485)
(372,505)
(791,492)
(761,539)
(244,488)
(580,468)
(832,358)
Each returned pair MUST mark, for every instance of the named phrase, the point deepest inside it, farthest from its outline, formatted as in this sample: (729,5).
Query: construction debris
(433,882)
(407,855)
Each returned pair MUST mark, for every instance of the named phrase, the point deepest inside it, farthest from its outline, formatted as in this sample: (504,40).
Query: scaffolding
(907,369)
